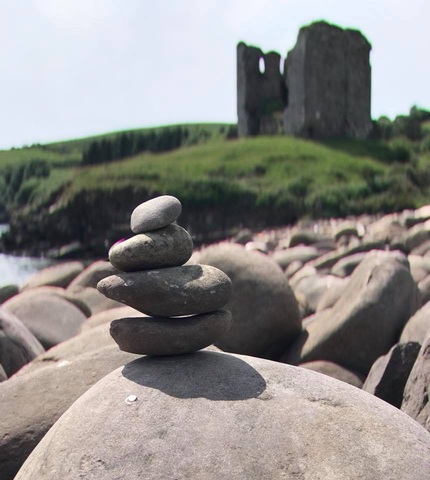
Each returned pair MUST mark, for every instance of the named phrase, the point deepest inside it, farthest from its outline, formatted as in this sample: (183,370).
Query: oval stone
(169,246)
(169,336)
(170,292)
(155,213)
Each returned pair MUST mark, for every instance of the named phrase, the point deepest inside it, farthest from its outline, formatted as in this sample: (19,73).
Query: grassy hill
(222,183)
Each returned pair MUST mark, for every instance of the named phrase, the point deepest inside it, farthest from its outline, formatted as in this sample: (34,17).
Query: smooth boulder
(170,292)
(335,371)
(56,276)
(170,246)
(50,318)
(169,336)
(417,329)
(265,312)
(212,415)
(155,213)
(367,320)
(92,275)
(18,345)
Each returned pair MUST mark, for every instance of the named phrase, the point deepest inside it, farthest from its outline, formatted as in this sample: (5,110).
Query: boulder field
(321,371)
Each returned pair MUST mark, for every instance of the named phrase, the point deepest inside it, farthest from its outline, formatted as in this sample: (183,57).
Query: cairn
(183,302)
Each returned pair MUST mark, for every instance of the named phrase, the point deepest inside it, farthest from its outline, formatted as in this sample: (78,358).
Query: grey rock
(416,395)
(8,291)
(335,371)
(92,275)
(57,275)
(31,404)
(265,312)
(49,318)
(95,301)
(155,213)
(170,336)
(347,229)
(306,237)
(302,253)
(106,316)
(388,375)
(314,287)
(329,259)
(420,267)
(417,235)
(367,320)
(18,345)
(345,266)
(424,288)
(293,268)
(3,375)
(417,328)
(170,292)
(329,298)
(169,246)
(422,249)
(182,416)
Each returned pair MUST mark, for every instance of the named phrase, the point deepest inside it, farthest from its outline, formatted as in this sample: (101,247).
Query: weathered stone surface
(420,267)
(92,275)
(8,291)
(3,375)
(170,292)
(265,313)
(182,416)
(328,82)
(417,329)
(169,246)
(106,316)
(416,395)
(332,294)
(50,318)
(367,320)
(314,287)
(335,371)
(155,213)
(302,253)
(345,266)
(388,375)
(31,404)
(57,276)
(417,235)
(424,288)
(18,345)
(170,336)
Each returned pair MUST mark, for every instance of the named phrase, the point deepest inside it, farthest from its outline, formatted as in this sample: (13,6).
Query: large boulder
(367,320)
(18,345)
(335,371)
(417,329)
(212,415)
(57,275)
(50,318)
(31,404)
(388,375)
(265,312)
(417,390)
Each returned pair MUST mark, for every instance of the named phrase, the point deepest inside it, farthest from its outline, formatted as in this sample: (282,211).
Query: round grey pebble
(155,213)
(170,292)
(169,246)
(169,336)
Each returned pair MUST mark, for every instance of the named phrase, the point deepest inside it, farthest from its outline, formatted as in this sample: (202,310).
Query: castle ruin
(324,90)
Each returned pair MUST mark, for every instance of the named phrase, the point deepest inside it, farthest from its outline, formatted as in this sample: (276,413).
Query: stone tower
(325,89)
(260,96)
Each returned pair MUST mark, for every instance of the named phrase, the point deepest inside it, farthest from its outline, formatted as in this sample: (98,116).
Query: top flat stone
(155,213)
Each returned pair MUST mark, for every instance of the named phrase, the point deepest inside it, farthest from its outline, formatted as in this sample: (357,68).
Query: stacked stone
(184,302)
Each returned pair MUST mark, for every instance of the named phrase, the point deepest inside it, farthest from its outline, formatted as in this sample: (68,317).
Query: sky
(75,68)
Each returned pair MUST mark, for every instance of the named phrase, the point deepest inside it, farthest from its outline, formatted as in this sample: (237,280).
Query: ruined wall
(260,96)
(324,92)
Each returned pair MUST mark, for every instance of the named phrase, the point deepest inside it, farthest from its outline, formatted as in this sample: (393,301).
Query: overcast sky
(73,68)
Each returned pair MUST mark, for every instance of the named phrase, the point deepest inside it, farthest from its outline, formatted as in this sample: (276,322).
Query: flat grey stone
(301,253)
(155,213)
(345,266)
(170,336)
(92,275)
(388,375)
(211,416)
(170,292)
(18,345)
(169,246)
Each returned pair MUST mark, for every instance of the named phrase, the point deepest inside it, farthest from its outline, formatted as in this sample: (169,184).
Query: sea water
(16,270)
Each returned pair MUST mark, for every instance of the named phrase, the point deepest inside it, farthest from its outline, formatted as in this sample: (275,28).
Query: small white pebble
(131,399)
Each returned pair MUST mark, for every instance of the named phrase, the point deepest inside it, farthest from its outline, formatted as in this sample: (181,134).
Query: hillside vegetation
(53,195)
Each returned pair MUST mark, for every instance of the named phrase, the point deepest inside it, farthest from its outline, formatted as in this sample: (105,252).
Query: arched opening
(262,65)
